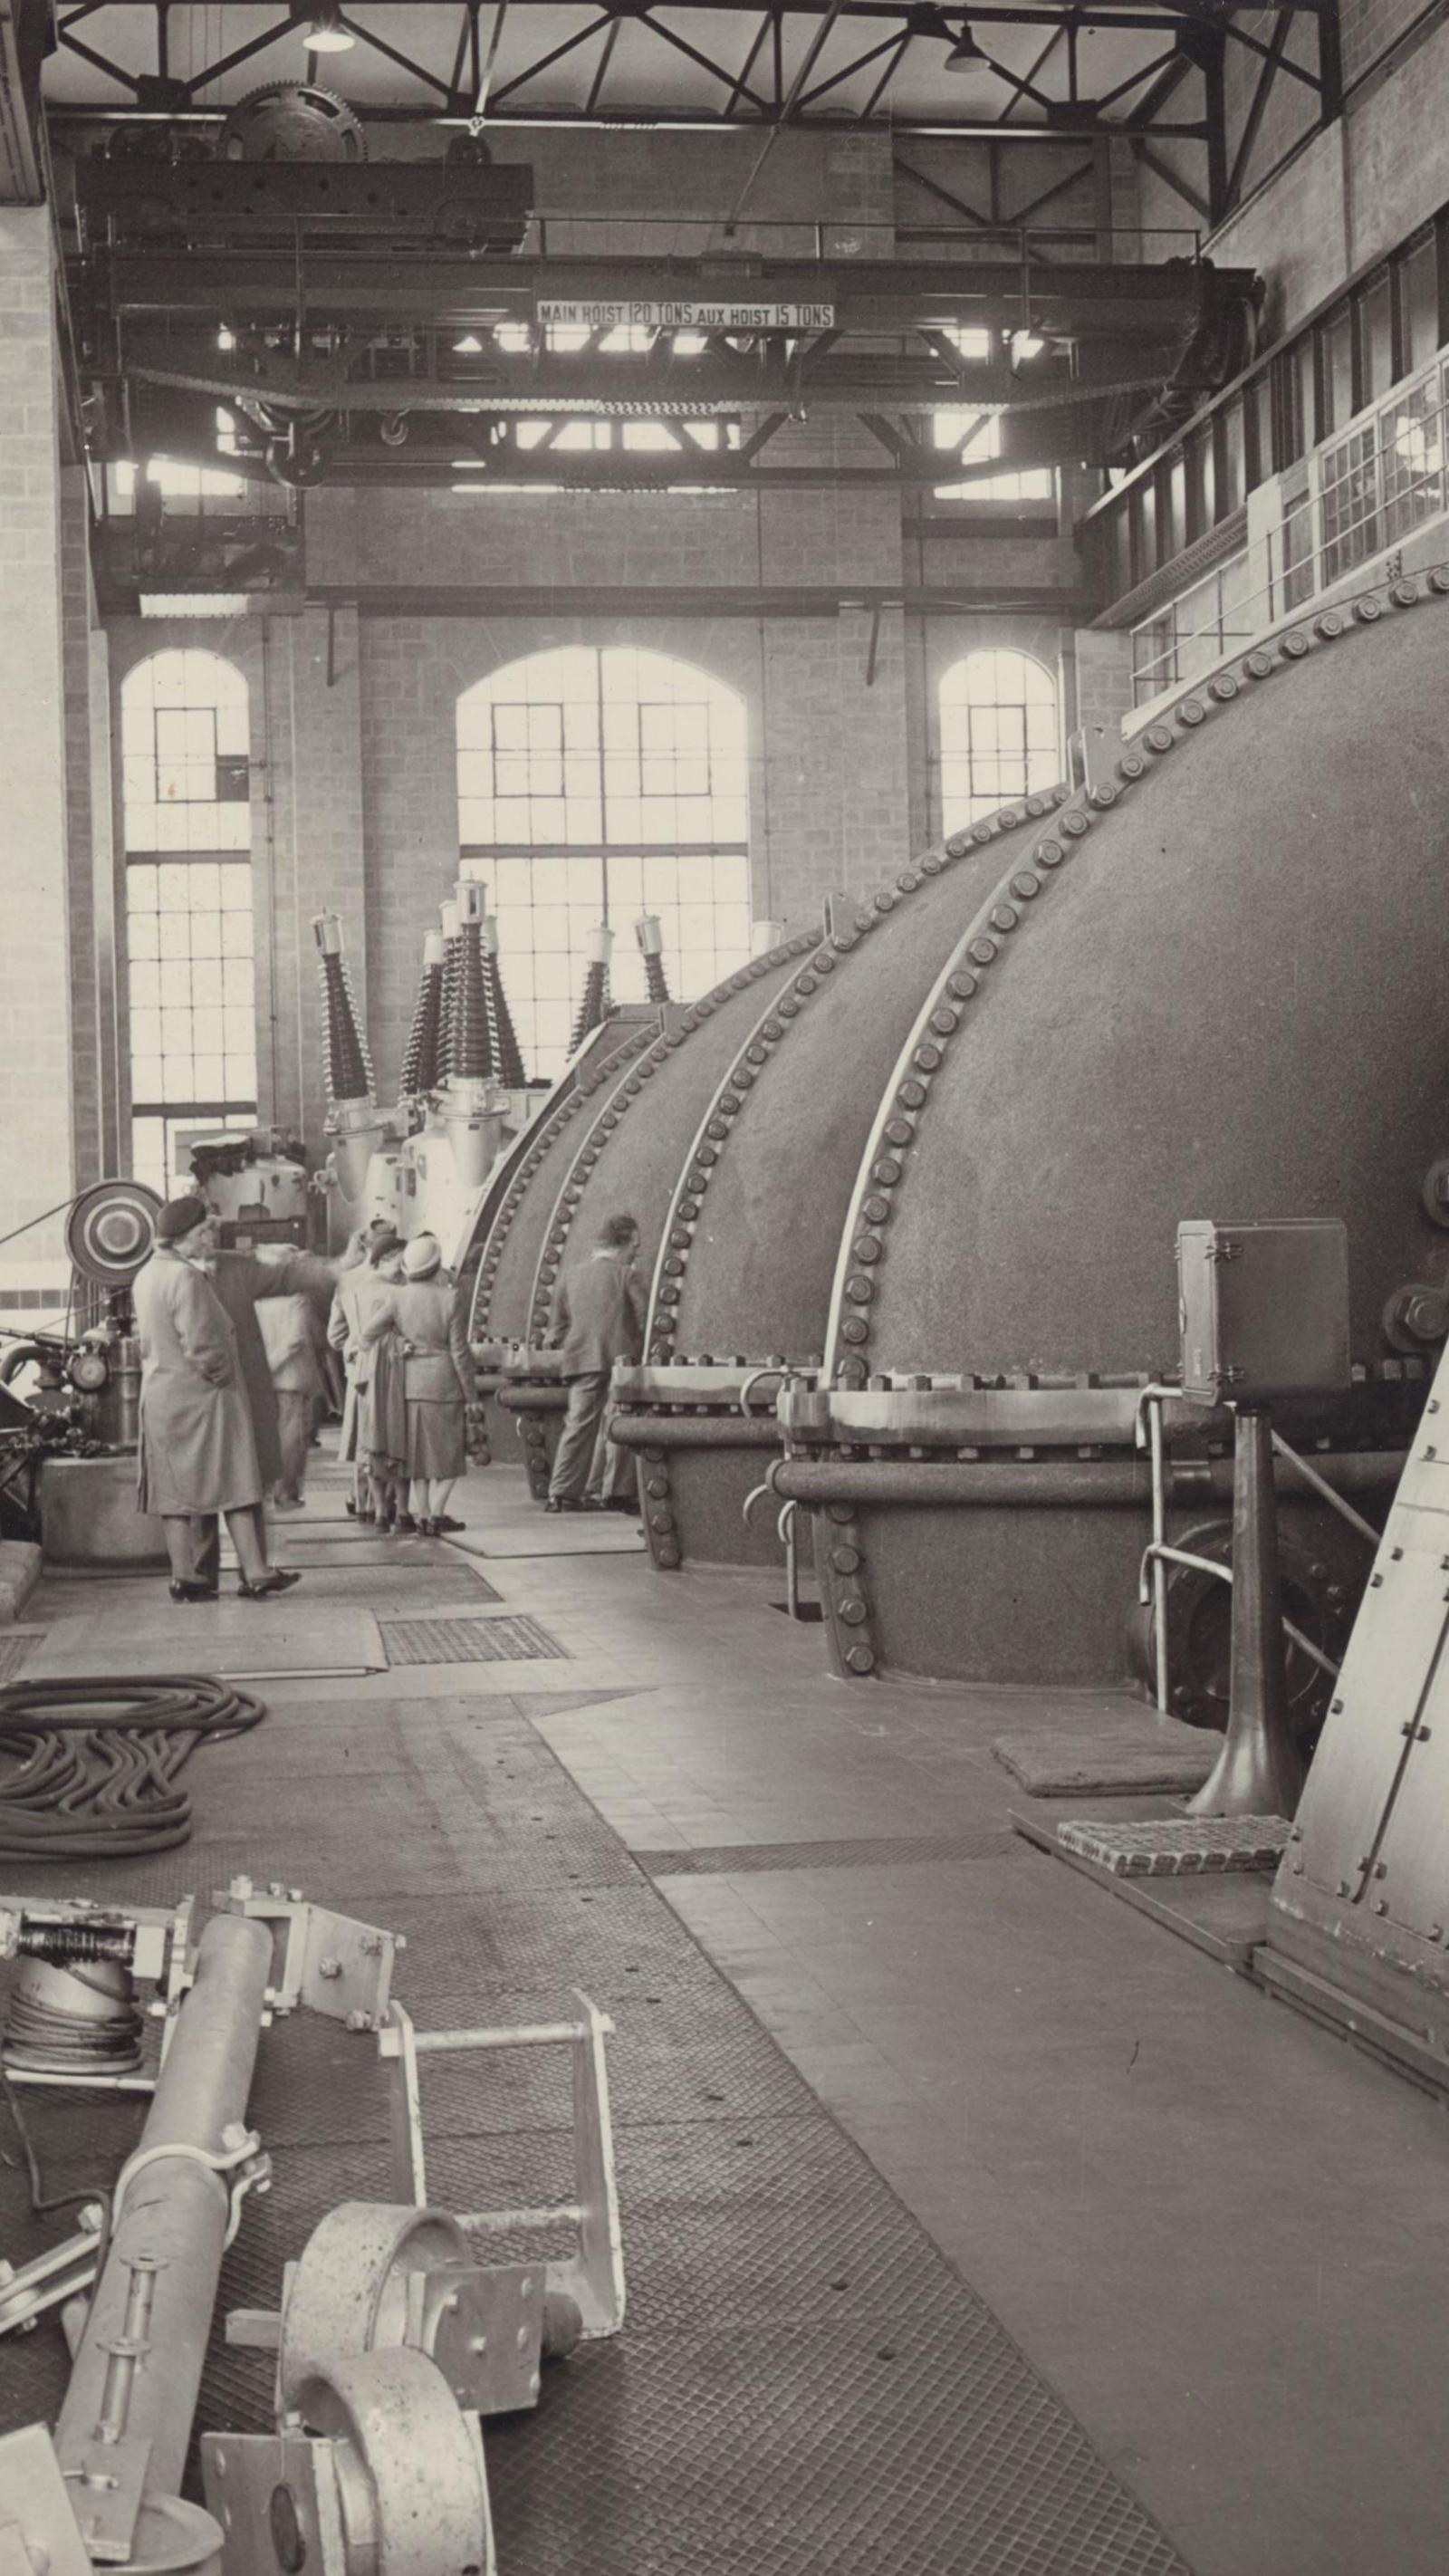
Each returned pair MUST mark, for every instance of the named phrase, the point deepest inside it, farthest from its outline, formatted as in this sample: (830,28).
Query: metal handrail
(1377,518)
(1159,1555)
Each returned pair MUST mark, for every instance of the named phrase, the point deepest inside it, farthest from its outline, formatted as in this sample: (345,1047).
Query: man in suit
(601,1310)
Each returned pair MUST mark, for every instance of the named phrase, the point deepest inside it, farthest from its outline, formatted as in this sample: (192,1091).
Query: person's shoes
(442,1525)
(279,1580)
(562,1503)
(349,1505)
(288,1503)
(427,1529)
(193,1591)
(406,1525)
(623,1503)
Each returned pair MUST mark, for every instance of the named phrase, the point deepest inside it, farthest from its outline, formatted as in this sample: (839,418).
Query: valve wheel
(413,2486)
(349,2291)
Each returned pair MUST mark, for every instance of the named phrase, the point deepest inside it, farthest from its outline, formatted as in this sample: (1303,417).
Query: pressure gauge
(88,1371)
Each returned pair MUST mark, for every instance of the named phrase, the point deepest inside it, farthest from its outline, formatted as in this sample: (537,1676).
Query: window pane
(192,1034)
(998,733)
(592,753)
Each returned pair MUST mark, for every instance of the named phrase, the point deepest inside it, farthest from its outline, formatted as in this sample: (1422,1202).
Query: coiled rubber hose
(100,1762)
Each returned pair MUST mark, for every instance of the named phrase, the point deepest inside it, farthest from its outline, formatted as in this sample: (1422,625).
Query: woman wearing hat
(198,1449)
(359,1290)
(425,1311)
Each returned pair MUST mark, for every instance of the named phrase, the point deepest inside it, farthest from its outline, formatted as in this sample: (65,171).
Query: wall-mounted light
(323,30)
(470,346)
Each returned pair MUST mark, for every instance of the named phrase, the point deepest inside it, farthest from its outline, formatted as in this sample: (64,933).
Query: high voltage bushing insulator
(502,1036)
(469,1053)
(650,936)
(594,1002)
(446,989)
(421,1062)
(349,1068)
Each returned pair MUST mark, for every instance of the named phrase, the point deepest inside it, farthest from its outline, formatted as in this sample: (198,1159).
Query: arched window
(599,784)
(998,715)
(186,806)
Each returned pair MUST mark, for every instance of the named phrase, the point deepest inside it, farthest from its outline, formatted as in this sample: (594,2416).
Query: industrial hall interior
(724,1287)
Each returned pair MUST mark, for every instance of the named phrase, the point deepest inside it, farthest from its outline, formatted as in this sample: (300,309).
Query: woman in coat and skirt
(198,1451)
(424,1314)
(358,1291)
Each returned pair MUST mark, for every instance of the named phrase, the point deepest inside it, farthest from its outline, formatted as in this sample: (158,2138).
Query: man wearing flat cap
(198,1447)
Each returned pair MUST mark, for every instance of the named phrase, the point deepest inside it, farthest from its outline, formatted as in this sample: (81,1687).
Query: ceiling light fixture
(965,54)
(325,33)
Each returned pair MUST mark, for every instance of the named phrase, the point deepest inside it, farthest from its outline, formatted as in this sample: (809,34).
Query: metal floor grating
(729,1860)
(805,2383)
(505,1640)
(13,1651)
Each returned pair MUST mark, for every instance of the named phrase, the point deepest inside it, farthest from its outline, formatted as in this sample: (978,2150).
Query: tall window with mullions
(185,750)
(602,783)
(997,714)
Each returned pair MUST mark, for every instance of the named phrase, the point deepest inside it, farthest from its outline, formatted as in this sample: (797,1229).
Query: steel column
(1259,1771)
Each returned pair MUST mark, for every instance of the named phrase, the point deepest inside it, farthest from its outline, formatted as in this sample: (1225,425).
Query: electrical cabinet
(1263,1308)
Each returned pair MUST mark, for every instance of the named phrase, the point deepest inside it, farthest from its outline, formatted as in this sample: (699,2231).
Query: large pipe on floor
(1069,1484)
(139,2363)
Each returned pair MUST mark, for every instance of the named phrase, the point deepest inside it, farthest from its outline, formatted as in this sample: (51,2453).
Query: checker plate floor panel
(502,1640)
(804,2383)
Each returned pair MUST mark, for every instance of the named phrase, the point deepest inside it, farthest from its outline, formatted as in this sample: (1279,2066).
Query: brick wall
(1368,28)
(1354,190)
(36,1147)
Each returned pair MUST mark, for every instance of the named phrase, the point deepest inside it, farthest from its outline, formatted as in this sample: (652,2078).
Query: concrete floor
(1219,2233)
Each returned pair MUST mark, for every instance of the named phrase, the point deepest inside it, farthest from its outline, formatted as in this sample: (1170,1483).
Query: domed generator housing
(742,1286)
(1215,986)
(622,1159)
(514,1213)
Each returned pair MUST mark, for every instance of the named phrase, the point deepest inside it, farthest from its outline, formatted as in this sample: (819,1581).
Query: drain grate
(385,1574)
(13,1651)
(1179,1847)
(505,1640)
(729,1860)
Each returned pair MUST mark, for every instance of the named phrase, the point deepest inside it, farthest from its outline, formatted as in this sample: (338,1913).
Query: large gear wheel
(292,121)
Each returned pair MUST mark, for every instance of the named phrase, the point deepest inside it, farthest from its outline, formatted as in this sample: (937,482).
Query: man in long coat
(198,1450)
(241,1281)
(600,1310)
